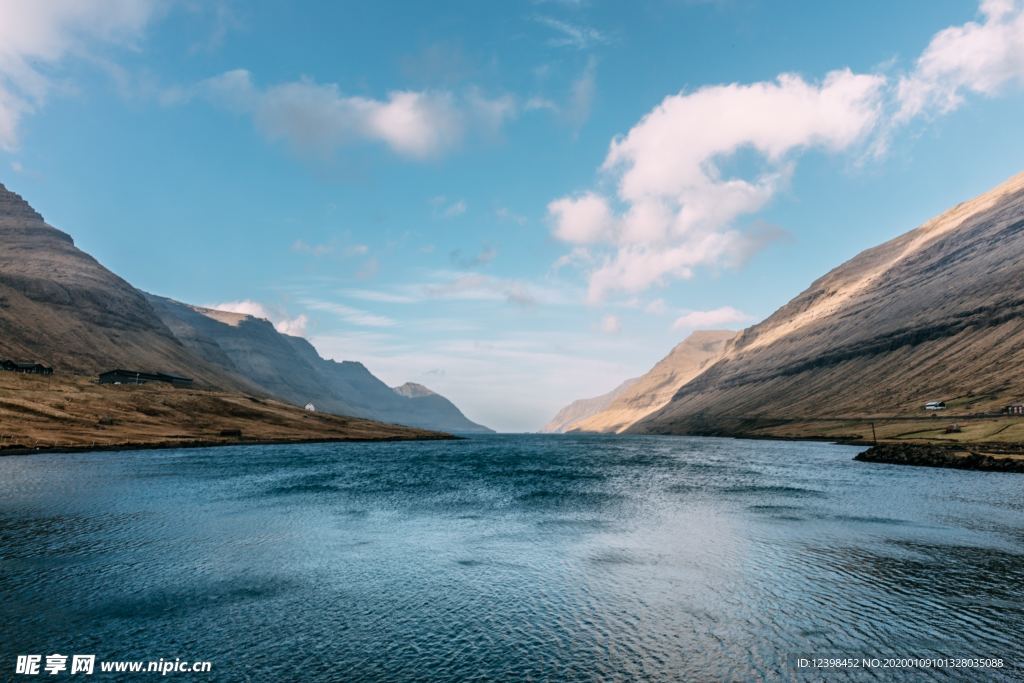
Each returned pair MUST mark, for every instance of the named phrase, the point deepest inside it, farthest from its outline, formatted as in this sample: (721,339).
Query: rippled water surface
(509,558)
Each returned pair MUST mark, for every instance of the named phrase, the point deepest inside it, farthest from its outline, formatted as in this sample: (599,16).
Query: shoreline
(961,457)
(172,445)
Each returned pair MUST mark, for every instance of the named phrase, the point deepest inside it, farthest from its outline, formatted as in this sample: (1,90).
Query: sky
(517,204)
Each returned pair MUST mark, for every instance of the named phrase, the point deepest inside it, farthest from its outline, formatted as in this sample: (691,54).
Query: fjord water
(509,558)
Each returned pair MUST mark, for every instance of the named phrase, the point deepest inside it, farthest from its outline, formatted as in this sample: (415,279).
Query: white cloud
(318,118)
(36,37)
(379,297)
(675,209)
(294,326)
(244,307)
(574,108)
(581,96)
(610,324)
(656,307)
(976,57)
(726,316)
(678,210)
(575,35)
(584,219)
(467,286)
(350,314)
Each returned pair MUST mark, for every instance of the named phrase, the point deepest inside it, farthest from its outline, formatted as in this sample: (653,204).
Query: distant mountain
(935,314)
(637,398)
(582,409)
(290,368)
(444,413)
(58,305)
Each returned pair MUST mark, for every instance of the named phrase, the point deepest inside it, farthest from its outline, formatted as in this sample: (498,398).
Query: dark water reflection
(510,558)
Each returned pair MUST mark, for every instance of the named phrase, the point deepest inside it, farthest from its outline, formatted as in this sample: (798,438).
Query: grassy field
(1007,431)
(75,412)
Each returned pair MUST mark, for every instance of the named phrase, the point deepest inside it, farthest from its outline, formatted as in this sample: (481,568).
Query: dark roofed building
(135,377)
(28,368)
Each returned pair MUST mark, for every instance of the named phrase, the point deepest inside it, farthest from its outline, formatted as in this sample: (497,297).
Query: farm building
(27,368)
(135,377)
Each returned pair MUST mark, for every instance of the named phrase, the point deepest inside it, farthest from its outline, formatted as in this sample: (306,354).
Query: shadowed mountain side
(291,369)
(570,416)
(937,313)
(448,417)
(58,305)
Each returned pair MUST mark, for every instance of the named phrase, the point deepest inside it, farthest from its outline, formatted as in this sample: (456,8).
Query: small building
(1014,409)
(26,368)
(120,376)
(310,407)
(935,405)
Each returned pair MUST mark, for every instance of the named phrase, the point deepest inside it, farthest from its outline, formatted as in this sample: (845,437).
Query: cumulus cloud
(294,326)
(36,37)
(583,219)
(980,58)
(675,208)
(726,316)
(318,117)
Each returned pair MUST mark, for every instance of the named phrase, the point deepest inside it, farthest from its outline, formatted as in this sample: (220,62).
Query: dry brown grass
(75,412)
(988,434)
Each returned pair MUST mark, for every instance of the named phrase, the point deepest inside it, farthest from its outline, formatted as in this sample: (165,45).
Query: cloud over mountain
(677,205)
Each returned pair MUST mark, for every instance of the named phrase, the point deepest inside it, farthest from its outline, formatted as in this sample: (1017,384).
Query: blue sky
(517,204)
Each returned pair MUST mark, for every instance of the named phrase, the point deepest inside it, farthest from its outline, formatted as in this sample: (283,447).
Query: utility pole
(874,437)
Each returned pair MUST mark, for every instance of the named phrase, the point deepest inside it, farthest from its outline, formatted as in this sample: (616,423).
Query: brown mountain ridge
(61,307)
(934,314)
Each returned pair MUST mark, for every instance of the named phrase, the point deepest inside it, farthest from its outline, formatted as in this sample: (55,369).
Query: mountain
(576,412)
(637,398)
(935,314)
(59,306)
(289,368)
(444,414)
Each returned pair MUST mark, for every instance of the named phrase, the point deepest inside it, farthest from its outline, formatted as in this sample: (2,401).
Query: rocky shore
(961,457)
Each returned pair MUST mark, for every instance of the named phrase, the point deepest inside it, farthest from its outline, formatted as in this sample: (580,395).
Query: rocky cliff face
(638,398)
(290,368)
(937,313)
(59,306)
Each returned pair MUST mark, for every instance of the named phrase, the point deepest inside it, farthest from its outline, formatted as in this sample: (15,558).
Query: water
(510,558)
